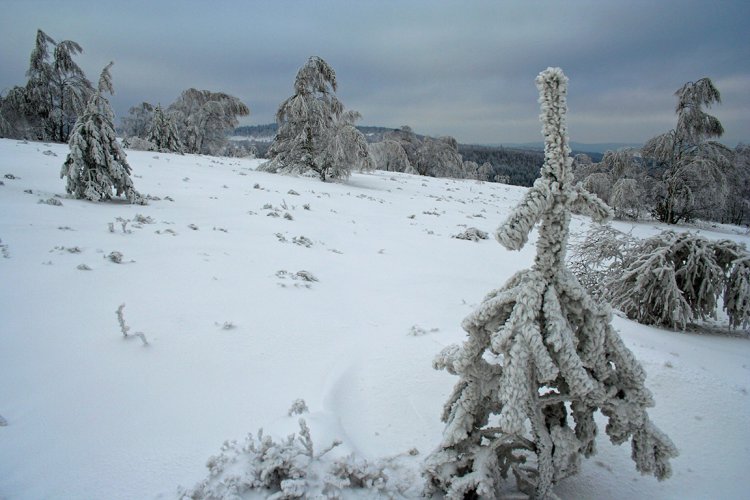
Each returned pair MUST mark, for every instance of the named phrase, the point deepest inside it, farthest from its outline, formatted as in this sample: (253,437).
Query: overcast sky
(460,68)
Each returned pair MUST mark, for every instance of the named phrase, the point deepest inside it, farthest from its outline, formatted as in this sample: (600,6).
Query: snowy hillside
(210,274)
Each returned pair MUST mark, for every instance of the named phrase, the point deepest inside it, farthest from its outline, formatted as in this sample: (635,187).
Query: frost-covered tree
(163,132)
(138,121)
(541,356)
(57,90)
(737,207)
(471,170)
(598,183)
(583,165)
(671,279)
(626,199)
(345,147)
(486,172)
(314,133)
(96,163)
(619,164)
(203,119)
(388,155)
(408,140)
(694,167)
(15,119)
(439,158)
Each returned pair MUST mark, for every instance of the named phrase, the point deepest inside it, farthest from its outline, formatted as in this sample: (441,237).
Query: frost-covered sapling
(541,356)
(96,164)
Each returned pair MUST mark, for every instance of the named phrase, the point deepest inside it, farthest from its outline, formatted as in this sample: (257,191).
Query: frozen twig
(124,328)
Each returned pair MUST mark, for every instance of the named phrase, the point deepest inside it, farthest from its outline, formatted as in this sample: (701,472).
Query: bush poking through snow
(51,201)
(541,356)
(418,331)
(291,468)
(115,257)
(298,407)
(471,234)
(125,329)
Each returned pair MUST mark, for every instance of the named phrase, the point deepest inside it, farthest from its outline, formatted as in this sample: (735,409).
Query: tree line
(57,93)
(678,176)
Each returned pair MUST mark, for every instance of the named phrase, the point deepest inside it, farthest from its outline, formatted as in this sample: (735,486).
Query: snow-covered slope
(235,335)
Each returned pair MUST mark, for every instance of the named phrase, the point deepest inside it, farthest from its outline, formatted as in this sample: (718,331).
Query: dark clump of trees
(517,166)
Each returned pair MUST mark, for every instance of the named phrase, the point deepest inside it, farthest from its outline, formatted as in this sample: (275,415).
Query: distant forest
(520,166)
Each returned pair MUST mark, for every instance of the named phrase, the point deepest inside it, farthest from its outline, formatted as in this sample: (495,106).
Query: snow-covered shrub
(115,257)
(51,201)
(298,407)
(471,234)
(138,144)
(599,256)
(671,279)
(291,468)
(96,163)
(541,356)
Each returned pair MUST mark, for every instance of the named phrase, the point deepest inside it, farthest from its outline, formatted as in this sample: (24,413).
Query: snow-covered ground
(235,335)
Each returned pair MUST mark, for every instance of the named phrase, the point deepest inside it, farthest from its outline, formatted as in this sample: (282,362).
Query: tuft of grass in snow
(125,329)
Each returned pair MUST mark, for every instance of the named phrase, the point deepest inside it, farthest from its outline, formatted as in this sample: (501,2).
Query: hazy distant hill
(601,147)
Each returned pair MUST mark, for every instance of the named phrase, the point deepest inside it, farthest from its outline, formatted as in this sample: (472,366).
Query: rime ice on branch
(536,344)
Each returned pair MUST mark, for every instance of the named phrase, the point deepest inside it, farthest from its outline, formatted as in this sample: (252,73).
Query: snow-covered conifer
(96,163)
(163,132)
(314,133)
(541,356)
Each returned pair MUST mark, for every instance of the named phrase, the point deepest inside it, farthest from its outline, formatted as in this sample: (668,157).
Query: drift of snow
(87,413)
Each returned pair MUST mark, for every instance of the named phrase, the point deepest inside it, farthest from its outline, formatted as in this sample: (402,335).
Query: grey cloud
(444,67)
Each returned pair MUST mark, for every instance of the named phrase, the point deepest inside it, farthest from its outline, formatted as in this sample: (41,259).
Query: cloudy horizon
(464,69)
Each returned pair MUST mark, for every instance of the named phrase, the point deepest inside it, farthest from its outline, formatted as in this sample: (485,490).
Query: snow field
(233,342)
